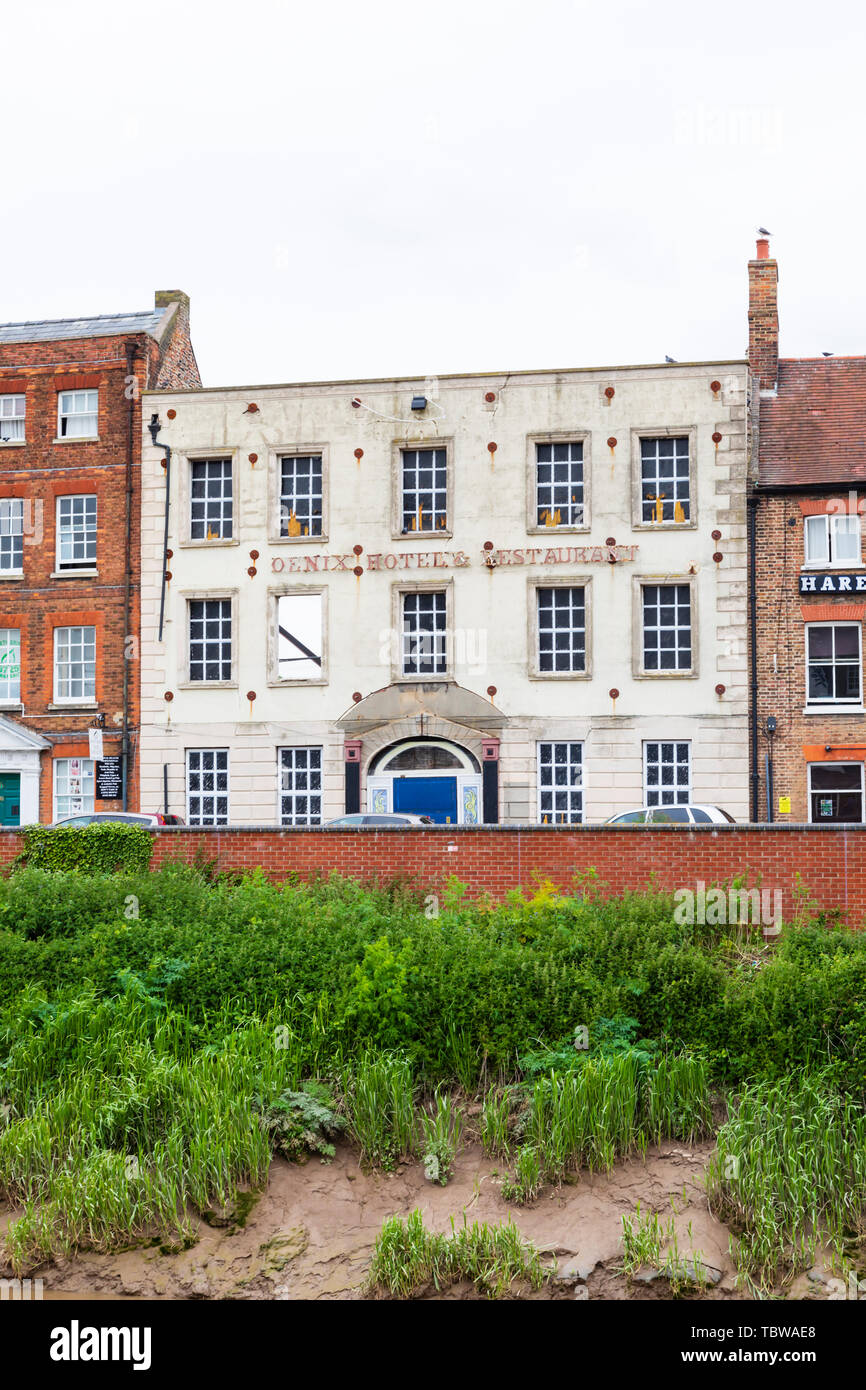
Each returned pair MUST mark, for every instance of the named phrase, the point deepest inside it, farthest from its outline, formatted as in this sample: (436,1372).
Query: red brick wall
(781,664)
(831,860)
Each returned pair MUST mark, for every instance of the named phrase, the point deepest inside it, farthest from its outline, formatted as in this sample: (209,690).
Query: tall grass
(407,1257)
(439,1137)
(380,1098)
(789,1174)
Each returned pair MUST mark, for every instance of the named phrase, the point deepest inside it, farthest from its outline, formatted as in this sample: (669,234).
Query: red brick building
(70,452)
(808,589)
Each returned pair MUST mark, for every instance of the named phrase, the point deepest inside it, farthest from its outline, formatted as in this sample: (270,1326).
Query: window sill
(76,439)
(846,566)
(74,574)
(664,675)
(219,543)
(422,535)
(664,526)
(560,675)
(834,709)
(207,685)
(12,443)
(293,685)
(558,530)
(11,575)
(74,707)
(10,706)
(298,540)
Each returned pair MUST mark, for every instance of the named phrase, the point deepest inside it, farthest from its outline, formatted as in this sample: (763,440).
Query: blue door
(427,796)
(10,798)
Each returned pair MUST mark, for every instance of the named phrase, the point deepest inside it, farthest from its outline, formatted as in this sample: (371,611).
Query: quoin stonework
(509,597)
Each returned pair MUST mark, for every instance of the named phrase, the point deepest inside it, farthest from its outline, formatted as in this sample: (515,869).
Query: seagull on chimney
(764,231)
(670,359)
(826,354)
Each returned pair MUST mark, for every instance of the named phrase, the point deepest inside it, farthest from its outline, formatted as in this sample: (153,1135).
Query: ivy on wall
(103,848)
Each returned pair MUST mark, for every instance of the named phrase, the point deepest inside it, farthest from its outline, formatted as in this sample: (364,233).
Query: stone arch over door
(450,794)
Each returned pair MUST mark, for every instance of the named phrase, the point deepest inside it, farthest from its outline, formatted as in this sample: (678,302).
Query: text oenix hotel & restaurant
(514,598)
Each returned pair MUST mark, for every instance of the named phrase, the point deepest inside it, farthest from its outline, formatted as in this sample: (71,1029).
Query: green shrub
(102,848)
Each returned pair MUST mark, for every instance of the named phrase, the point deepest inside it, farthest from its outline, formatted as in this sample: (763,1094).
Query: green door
(10,798)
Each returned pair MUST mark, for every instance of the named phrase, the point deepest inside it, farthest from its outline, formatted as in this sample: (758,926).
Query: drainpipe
(127,591)
(751,518)
(154,428)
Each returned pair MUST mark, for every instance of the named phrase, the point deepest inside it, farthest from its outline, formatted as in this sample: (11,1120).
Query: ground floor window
(73,787)
(300,786)
(560,783)
(207,786)
(835,792)
(667,777)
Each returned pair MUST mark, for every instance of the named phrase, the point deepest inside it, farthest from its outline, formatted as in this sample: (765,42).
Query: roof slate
(813,430)
(105,326)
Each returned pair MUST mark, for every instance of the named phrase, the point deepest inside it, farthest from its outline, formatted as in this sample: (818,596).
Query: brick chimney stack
(764,317)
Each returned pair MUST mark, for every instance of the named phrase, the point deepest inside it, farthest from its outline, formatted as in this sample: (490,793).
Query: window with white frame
(78,414)
(300,636)
(207,786)
(11,534)
(560,783)
(300,786)
(301,495)
(74,664)
(10,663)
(424,503)
(832,540)
(210,639)
(210,504)
(833,663)
(664,479)
(667,627)
(836,793)
(424,635)
(559,484)
(76,532)
(561,629)
(74,787)
(11,418)
(667,774)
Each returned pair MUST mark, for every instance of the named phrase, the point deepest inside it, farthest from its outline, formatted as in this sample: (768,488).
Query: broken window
(664,475)
(300,642)
(425,490)
(424,634)
(559,484)
(211,500)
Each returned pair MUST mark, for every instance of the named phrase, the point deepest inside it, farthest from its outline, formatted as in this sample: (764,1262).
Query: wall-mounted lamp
(419,402)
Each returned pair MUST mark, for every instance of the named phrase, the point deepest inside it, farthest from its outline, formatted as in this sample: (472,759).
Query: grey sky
(352,190)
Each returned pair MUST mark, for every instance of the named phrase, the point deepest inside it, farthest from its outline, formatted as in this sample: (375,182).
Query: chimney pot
(763,249)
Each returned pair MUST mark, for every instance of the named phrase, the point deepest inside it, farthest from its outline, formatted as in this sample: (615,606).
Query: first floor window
(207,786)
(832,540)
(76,532)
(301,494)
(425,490)
(833,663)
(74,664)
(664,479)
(11,418)
(667,774)
(73,787)
(667,627)
(560,783)
(559,484)
(78,413)
(210,639)
(424,634)
(561,630)
(11,533)
(211,500)
(836,792)
(300,786)
(10,663)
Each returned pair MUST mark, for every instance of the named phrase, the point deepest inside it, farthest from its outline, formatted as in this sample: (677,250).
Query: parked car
(672,815)
(146,818)
(382,819)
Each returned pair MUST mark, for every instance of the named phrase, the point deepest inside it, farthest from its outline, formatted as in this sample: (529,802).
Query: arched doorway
(426,777)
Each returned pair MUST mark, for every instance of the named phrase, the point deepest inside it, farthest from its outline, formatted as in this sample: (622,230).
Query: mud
(311,1232)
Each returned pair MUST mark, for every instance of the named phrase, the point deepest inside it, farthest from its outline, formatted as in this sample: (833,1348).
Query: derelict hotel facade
(515,598)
